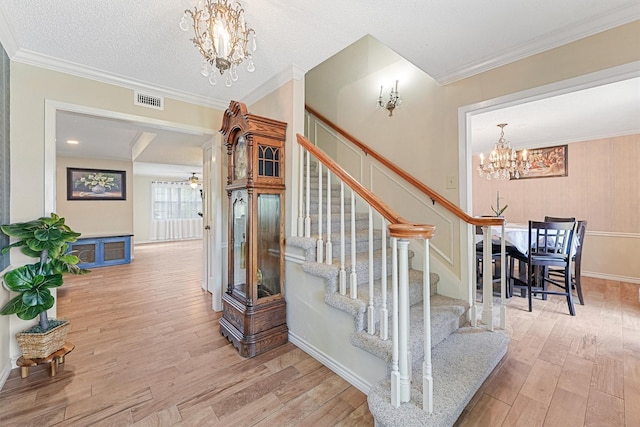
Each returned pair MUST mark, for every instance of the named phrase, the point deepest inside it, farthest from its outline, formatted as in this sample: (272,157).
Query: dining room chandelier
(222,36)
(504,162)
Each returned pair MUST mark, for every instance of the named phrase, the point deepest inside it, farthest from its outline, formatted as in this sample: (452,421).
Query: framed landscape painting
(96,184)
(546,162)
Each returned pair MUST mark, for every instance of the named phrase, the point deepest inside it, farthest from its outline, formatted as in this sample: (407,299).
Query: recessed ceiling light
(72,141)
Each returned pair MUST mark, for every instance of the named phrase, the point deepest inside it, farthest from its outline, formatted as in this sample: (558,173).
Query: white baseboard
(330,363)
(4,374)
(634,280)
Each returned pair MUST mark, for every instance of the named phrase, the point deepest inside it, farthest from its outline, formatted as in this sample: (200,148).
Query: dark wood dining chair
(581,230)
(550,246)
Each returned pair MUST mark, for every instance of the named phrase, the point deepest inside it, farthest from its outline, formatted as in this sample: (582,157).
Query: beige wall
(422,136)
(30,88)
(142,208)
(286,104)
(602,187)
(95,218)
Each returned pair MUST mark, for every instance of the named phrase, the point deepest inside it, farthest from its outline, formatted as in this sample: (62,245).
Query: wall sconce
(393,102)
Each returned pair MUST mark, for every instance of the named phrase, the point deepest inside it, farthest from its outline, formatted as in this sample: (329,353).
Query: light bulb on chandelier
(222,37)
(504,162)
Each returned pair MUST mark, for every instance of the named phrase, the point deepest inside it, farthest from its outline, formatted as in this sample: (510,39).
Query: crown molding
(621,16)
(54,64)
(293,72)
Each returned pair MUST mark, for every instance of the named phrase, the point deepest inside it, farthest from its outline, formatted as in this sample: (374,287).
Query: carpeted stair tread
(361,268)
(461,363)
(358,307)
(447,315)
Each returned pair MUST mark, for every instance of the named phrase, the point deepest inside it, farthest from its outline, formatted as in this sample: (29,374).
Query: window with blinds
(171,200)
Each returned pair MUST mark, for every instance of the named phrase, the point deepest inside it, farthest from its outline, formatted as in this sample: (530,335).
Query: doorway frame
(465,113)
(51,108)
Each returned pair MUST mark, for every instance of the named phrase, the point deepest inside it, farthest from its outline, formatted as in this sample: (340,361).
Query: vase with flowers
(97,183)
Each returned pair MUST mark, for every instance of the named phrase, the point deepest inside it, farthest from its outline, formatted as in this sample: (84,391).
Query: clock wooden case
(254,309)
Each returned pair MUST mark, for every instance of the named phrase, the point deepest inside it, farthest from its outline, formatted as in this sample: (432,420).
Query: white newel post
(427,375)
(403,307)
(487,279)
(503,284)
(395,371)
(371,314)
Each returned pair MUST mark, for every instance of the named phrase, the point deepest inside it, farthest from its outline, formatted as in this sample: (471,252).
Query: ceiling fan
(193,180)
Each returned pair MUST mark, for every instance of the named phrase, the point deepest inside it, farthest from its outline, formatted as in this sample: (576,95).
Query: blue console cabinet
(102,251)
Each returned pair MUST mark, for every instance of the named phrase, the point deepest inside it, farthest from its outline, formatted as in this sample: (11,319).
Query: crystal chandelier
(504,163)
(221,36)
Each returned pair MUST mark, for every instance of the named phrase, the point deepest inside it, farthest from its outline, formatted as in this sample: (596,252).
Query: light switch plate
(451,182)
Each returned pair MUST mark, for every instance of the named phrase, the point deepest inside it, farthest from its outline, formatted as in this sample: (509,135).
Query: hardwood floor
(567,371)
(149,353)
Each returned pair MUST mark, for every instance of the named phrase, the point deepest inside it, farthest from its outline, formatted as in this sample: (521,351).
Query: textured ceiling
(139,44)
(140,41)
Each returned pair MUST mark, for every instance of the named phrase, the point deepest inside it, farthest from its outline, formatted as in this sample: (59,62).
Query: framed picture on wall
(546,162)
(96,184)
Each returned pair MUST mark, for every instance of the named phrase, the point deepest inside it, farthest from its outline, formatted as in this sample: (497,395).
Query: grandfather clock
(254,310)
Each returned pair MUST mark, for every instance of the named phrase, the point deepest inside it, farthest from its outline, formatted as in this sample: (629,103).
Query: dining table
(517,235)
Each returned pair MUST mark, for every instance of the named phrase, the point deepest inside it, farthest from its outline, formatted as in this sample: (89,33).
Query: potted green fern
(46,239)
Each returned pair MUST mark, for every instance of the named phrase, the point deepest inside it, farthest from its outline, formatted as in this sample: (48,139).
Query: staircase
(462,356)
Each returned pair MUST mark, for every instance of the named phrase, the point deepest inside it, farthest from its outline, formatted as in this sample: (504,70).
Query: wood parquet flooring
(149,353)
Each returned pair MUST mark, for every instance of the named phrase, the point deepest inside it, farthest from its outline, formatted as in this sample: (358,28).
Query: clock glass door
(239,236)
(268,274)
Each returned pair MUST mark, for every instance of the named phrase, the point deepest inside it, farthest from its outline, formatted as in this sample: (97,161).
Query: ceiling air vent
(148,101)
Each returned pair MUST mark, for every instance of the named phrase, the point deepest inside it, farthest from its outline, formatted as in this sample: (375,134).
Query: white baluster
(371,314)
(473,303)
(329,245)
(395,371)
(487,279)
(319,243)
(307,218)
(503,284)
(353,284)
(403,308)
(427,374)
(300,230)
(343,273)
(384,312)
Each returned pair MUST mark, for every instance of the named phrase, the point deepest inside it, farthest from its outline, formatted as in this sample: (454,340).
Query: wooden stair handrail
(482,221)
(424,231)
